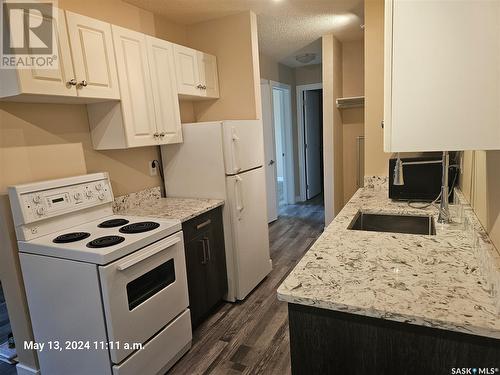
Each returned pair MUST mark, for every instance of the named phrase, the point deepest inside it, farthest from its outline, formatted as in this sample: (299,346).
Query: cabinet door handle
(204,261)
(204,87)
(83,83)
(204,224)
(200,86)
(156,135)
(72,82)
(207,240)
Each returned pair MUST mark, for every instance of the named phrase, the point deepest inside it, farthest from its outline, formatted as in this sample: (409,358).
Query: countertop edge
(385,315)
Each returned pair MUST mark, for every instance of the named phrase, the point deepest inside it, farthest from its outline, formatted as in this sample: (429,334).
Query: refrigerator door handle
(238,188)
(235,139)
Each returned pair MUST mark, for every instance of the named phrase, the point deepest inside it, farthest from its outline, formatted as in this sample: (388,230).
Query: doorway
(278,146)
(310,124)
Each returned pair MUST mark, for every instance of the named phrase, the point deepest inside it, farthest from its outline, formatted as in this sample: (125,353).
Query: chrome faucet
(398,179)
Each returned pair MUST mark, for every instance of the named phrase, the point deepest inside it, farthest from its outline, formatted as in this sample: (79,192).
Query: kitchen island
(365,302)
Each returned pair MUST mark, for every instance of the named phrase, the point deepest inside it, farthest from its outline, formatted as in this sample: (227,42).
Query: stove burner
(71,237)
(143,226)
(105,241)
(113,223)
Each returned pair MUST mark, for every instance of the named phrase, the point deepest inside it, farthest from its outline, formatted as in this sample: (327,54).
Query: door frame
(288,141)
(301,135)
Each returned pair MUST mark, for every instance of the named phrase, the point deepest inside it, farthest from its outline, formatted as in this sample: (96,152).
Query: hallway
(251,337)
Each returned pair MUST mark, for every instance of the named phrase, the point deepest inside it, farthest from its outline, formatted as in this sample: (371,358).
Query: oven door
(142,293)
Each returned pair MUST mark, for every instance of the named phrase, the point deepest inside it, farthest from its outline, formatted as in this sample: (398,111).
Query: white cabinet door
(442,77)
(51,81)
(135,87)
(162,66)
(188,74)
(209,78)
(93,57)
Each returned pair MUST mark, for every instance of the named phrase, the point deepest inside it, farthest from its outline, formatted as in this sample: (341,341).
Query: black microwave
(422,175)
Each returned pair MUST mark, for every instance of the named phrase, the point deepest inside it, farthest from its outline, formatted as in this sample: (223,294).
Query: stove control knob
(40,211)
(37,199)
(88,193)
(98,187)
(77,196)
(101,197)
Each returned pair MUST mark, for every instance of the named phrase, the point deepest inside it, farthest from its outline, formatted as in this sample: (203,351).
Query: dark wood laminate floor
(251,337)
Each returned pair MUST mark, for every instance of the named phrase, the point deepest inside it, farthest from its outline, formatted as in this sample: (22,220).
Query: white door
(247,202)
(135,87)
(93,57)
(208,75)
(161,63)
(243,145)
(144,291)
(269,152)
(312,131)
(51,81)
(188,73)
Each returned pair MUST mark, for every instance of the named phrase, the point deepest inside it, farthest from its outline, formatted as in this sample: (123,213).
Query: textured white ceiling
(286,27)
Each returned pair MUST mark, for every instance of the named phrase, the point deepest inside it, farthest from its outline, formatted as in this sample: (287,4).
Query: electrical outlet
(153,171)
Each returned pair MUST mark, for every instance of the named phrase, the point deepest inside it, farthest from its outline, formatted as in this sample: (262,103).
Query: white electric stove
(109,291)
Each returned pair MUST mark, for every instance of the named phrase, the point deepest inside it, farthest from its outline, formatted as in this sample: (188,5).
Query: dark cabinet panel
(205,263)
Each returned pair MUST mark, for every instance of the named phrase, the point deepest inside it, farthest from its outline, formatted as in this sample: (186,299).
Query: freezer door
(243,145)
(247,202)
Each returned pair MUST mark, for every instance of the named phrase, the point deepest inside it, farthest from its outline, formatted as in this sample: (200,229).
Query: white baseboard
(25,370)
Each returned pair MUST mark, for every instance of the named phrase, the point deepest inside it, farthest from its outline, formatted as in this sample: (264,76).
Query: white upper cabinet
(36,84)
(166,101)
(442,75)
(93,57)
(196,73)
(208,74)
(148,113)
(188,74)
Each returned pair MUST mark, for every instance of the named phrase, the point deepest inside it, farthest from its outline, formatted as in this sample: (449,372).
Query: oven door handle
(148,253)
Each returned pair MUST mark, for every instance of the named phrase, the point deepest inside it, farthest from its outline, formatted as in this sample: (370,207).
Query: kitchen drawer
(162,351)
(193,227)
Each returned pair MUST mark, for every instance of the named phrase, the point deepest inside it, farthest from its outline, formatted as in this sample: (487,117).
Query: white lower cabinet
(148,113)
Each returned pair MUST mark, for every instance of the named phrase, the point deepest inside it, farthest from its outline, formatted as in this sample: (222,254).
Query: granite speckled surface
(435,281)
(149,203)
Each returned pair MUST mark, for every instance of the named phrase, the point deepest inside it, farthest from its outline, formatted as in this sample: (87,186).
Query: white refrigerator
(224,160)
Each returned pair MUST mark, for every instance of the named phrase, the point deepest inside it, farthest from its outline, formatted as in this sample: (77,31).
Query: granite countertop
(439,281)
(150,203)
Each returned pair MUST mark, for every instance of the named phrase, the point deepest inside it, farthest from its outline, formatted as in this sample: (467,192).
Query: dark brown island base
(330,342)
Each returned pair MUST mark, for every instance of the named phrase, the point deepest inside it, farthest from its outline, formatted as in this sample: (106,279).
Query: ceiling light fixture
(305,58)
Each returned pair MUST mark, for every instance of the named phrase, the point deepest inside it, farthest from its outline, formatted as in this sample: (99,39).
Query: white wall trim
(301,136)
(26,370)
(288,146)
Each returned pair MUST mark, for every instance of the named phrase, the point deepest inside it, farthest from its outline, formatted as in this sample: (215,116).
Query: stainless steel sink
(394,223)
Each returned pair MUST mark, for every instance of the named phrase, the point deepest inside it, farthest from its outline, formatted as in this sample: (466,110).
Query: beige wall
(332,127)
(480,182)
(375,158)
(233,39)
(353,118)
(307,74)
